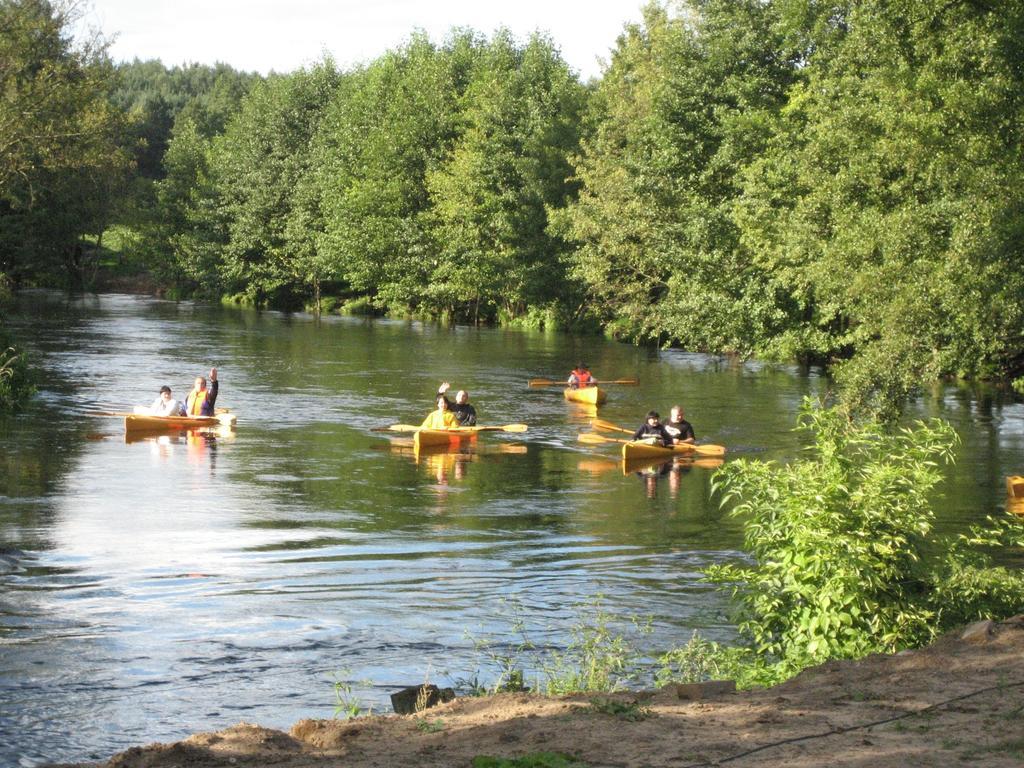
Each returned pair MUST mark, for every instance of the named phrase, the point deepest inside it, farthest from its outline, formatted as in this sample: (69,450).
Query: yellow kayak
(588,395)
(139,422)
(425,438)
(637,449)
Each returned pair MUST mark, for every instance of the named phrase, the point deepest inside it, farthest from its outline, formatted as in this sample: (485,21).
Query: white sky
(283,35)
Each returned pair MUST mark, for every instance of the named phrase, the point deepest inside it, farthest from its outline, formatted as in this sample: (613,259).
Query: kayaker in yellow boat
(581,377)
(442,418)
(200,400)
(464,412)
(677,426)
(165,405)
(653,431)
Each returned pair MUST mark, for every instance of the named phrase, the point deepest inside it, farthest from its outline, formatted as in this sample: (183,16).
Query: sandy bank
(959,702)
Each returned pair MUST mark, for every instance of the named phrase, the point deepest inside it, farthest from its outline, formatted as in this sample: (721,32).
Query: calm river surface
(156,588)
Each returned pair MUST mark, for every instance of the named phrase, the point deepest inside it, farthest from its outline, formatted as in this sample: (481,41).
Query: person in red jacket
(581,377)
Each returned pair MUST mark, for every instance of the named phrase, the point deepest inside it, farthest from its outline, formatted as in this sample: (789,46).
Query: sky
(284,35)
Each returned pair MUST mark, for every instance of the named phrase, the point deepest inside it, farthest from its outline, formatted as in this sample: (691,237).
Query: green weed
(345,704)
(632,711)
(423,725)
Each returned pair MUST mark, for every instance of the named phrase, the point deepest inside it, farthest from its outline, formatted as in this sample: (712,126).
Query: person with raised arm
(464,412)
(201,400)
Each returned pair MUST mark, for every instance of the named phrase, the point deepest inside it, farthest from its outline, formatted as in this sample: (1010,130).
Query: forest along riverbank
(956,702)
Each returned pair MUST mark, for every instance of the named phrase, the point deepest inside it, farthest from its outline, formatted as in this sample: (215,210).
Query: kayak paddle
(607,425)
(552,382)
(700,450)
(455,430)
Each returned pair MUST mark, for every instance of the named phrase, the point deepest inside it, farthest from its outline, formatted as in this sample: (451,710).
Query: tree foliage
(62,162)
(684,105)
(888,199)
(833,182)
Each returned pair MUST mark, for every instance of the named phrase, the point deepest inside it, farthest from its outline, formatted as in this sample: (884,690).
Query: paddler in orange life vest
(200,400)
(442,418)
(581,377)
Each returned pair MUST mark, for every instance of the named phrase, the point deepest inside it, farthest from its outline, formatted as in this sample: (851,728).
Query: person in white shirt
(165,405)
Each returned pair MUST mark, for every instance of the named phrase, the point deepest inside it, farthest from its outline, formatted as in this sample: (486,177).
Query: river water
(154,588)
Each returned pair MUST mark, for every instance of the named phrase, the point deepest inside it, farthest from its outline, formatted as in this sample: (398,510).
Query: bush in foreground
(845,558)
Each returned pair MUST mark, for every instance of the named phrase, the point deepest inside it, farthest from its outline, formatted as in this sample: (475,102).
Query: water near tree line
(155,588)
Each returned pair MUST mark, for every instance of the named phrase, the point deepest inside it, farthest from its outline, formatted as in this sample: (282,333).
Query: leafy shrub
(845,559)
(15,380)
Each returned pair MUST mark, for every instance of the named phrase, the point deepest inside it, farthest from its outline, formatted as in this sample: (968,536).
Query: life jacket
(582,377)
(442,420)
(195,401)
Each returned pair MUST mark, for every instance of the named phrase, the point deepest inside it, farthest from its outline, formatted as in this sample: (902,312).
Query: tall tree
(891,195)
(685,104)
(255,169)
(61,161)
(380,137)
(490,199)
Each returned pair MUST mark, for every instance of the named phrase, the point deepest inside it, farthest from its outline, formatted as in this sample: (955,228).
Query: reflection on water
(183,581)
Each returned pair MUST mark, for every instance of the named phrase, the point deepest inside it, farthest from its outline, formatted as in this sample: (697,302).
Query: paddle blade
(627,382)
(715,451)
(542,383)
(608,426)
(514,428)
(590,437)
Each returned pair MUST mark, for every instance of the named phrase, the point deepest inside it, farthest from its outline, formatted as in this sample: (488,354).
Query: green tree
(889,201)
(62,166)
(380,136)
(255,169)
(685,104)
(489,201)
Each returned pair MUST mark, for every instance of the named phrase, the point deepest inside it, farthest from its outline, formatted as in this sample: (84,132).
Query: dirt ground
(959,702)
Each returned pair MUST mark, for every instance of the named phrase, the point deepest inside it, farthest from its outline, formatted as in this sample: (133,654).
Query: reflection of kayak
(588,395)
(681,462)
(596,466)
(138,422)
(217,431)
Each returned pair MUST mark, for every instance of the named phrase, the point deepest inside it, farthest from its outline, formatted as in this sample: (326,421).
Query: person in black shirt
(677,426)
(653,429)
(464,412)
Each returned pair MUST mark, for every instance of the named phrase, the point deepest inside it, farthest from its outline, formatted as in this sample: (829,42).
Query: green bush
(362,305)
(846,561)
(15,380)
